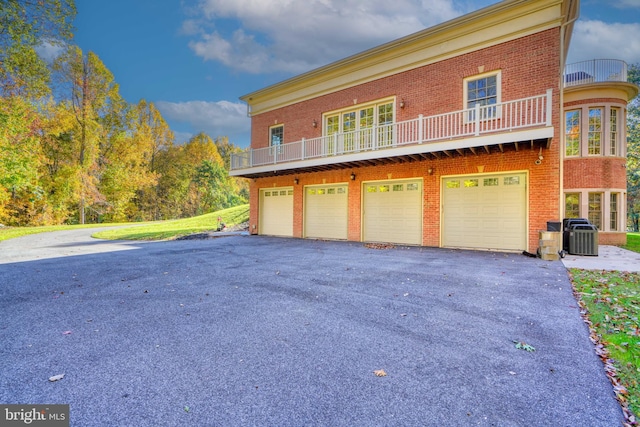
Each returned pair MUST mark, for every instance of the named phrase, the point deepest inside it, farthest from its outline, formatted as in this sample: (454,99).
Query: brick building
(469,134)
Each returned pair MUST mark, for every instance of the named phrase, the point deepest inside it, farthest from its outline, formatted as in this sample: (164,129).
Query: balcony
(527,119)
(595,71)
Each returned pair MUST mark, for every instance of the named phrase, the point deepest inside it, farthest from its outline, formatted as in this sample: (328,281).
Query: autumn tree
(124,160)
(91,90)
(19,160)
(25,26)
(58,171)
(152,131)
(240,186)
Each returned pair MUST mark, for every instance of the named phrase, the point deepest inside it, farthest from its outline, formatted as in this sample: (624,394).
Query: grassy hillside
(180,227)
(159,230)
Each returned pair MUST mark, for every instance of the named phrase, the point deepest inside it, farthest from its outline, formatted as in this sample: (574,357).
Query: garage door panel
(392,212)
(485,212)
(326,212)
(276,212)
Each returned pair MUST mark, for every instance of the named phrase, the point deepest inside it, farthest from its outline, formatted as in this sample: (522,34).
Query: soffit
(585,92)
(490,26)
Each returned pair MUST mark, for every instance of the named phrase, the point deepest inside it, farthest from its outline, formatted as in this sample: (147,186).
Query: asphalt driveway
(248,330)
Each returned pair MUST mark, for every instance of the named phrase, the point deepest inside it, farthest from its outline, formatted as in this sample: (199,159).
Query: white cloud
(222,118)
(626,4)
(600,40)
(294,36)
(49,52)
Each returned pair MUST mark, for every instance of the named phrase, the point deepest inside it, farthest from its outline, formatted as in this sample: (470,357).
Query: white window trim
(605,143)
(604,120)
(356,108)
(465,89)
(580,144)
(273,149)
(622,131)
(605,206)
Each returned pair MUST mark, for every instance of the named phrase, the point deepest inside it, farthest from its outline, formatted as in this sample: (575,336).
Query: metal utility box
(583,240)
(567,225)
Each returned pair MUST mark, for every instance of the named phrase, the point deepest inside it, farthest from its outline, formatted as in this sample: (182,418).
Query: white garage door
(485,212)
(326,211)
(392,212)
(276,211)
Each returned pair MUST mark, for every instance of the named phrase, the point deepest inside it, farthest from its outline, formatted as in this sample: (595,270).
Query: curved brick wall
(595,172)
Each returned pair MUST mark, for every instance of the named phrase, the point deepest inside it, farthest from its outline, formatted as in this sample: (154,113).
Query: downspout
(561,111)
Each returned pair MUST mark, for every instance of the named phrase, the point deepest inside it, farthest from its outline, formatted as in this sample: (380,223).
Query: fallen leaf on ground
(66,333)
(380,373)
(521,345)
(379,246)
(56,377)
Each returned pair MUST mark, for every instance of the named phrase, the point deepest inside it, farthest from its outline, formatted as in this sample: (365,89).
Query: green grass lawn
(164,230)
(612,301)
(159,230)
(633,242)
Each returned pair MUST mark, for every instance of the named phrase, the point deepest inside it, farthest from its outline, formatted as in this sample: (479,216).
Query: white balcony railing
(595,71)
(508,116)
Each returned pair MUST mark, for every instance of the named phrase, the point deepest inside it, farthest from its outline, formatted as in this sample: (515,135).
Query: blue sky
(194,58)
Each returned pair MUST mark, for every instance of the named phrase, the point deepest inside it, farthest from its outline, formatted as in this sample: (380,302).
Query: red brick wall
(542,187)
(615,239)
(529,67)
(595,172)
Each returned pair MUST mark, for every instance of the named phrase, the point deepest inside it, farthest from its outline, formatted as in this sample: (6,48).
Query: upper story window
(359,118)
(276,135)
(276,139)
(356,126)
(614,139)
(572,133)
(595,131)
(483,90)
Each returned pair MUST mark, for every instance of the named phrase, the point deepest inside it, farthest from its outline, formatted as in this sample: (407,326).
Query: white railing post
(374,138)
(302,150)
(420,128)
(250,157)
(549,106)
(477,119)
